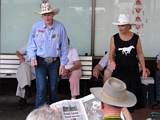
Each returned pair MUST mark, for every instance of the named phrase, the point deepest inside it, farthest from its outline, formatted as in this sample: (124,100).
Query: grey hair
(43,113)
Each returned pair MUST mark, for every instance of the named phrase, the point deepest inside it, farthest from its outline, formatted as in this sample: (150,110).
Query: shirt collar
(45,26)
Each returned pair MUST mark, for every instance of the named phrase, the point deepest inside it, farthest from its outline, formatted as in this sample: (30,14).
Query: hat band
(112,98)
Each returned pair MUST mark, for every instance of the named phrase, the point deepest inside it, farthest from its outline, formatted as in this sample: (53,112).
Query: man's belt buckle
(49,60)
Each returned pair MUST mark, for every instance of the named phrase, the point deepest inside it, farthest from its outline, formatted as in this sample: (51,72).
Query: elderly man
(47,49)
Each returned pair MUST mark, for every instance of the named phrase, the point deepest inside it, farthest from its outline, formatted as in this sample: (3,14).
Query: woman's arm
(111,50)
(141,58)
(111,61)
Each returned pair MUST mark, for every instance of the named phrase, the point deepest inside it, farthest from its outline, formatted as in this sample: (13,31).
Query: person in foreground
(125,53)
(47,50)
(43,113)
(115,99)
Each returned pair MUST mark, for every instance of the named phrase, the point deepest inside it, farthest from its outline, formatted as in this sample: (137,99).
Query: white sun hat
(47,8)
(123,19)
(114,93)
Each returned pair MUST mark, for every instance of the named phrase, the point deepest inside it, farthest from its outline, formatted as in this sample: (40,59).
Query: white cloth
(72,56)
(25,74)
(104,61)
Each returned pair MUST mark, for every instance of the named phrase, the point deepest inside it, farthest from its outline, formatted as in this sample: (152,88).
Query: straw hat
(46,8)
(123,20)
(114,93)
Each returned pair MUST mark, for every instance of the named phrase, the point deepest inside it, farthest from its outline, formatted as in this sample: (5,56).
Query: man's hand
(33,62)
(62,70)
(96,71)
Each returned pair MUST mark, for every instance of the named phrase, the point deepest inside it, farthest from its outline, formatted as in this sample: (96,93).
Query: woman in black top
(125,53)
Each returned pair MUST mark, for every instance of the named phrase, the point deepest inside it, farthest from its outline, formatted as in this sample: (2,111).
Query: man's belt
(48,59)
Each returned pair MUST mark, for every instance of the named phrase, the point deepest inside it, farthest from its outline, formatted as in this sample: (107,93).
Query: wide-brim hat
(123,19)
(114,93)
(47,8)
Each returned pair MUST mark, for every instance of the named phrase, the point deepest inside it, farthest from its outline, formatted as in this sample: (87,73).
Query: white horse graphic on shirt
(126,50)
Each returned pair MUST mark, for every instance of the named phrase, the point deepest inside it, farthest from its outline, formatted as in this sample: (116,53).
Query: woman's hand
(107,75)
(111,65)
(144,73)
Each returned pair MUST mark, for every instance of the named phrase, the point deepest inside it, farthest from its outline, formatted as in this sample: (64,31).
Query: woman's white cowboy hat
(123,19)
(114,93)
(46,8)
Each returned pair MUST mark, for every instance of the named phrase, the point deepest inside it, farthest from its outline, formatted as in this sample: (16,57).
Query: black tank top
(125,53)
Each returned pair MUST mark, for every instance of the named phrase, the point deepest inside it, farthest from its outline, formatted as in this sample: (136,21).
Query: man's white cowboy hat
(114,93)
(46,8)
(123,19)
